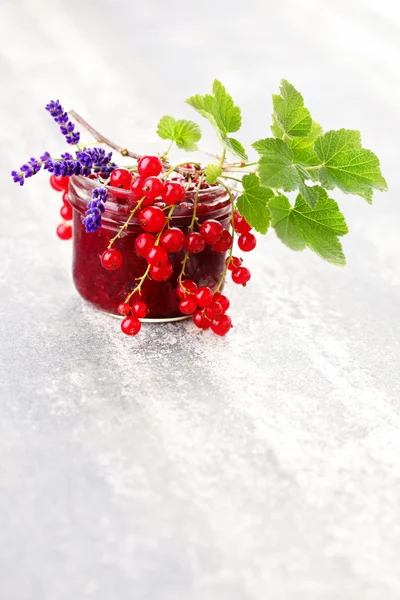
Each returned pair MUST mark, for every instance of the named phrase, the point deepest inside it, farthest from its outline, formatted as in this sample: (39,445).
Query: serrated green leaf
(252,204)
(290,113)
(184,133)
(222,113)
(306,142)
(300,226)
(212,173)
(348,166)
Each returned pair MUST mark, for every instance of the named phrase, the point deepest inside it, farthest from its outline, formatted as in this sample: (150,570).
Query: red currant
(66,212)
(111,259)
(64,232)
(157,256)
(200,320)
(187,307)
(137,187)
(224,243)
(194,242)
(152,219)
(222,300)
(173,192)
(211,231)
(247,242)
(233,262)
(140,309)
(204,296)
(172,239)
(65,198)
(124,309)
(121,178)
(153,187)
(241,275)
(221,325)
(186,289)
(214,310)
(143,243)
(149,165)
(58,183)
(240,223)
(161,273)
(131,326)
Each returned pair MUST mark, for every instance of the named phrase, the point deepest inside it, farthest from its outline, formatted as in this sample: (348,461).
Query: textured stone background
(177,466)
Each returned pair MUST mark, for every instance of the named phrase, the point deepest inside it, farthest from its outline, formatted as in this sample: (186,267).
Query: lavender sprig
(95,209)
(28,169)
(60,116)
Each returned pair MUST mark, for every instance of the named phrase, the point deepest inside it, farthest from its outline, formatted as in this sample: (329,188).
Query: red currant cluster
(209,308)
(60,184)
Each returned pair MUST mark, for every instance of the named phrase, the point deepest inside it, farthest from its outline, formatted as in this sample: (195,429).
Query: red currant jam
(107,289)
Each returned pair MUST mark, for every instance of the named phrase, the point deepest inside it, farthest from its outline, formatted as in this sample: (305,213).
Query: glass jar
(107,289)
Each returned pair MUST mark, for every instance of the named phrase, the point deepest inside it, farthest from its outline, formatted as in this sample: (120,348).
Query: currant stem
(191,227)
(232,178)
(125,225)
(223,157)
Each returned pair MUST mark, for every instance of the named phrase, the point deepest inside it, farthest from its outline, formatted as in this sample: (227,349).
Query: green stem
(314,168)
(223,157)
(125,225)
(167,173)
(191,227)
(233,178)
(168,150)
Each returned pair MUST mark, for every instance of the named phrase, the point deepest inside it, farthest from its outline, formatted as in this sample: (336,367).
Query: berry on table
(149,166)
(247,242)
(240,224)
(211,231)
(121,178)
(204,296)
(111,259)
(222,300)
(66,212)
(153,187)
(186,289)
(187,307)
(157,256)
(131,325)
(233,262)
(172,239)
(152,219)
(64,231)
(124,309)
(140,309)
(200,320)
(241,275)
(221,325)
(143,243)
(173,192)
(224,243)
(194,242)
(59,183)
(161,273)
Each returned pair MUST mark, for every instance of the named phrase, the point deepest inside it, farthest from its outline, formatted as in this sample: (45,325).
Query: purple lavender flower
(28,169)
(97,159)
(95,209)
(60,116)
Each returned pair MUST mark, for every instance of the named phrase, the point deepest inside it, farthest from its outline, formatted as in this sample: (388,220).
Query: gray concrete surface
(177,466)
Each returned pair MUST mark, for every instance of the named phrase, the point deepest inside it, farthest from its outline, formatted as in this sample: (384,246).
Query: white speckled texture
(177,466)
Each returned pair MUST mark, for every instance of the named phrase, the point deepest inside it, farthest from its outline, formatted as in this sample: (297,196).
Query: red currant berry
(64,232)
(157,256)
(121,178)
(140,309)
(222,300)
(173,192)
(65,198)
(211,231)
(124,309)
(58,183)
(200,320)
(137,187)
(214,310)
(149,165)
(161,273)
(224,243)
(143,243)
(187,307)
(221,325)
(204,296)
(152,219)
(66,212)
(186,289)
(131,326)
(194,242)
(241,275)
(247,242)
(240,223)
(153,187)
(172,239)
(111,259)
(233,262)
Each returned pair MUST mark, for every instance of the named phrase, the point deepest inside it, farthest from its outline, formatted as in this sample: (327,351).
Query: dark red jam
(107,289)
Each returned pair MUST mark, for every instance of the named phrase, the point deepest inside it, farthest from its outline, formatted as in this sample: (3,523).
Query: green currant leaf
(306,142)
(212,173)
(348,166)
(252,204)
(290,114)
(300,226)
(184,133)
(222,113)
